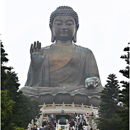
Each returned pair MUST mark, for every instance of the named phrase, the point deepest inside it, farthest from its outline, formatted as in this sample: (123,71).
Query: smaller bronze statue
(63,118)
(62,66)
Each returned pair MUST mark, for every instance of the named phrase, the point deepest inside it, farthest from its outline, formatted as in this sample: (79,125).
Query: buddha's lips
(64,32)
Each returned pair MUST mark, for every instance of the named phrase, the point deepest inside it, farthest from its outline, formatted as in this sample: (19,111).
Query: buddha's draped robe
(72,69)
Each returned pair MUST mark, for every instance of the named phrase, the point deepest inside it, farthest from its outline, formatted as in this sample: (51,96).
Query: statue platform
(66,94)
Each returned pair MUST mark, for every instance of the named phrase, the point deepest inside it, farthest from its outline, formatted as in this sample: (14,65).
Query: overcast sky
(104,27)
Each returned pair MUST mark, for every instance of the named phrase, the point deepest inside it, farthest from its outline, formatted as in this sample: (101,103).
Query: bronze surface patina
(63,71)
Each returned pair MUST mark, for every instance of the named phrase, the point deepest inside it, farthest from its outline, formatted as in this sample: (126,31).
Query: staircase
(68,108)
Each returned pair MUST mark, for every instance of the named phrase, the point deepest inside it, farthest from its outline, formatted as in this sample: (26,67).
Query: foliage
(17,109)
(29,110)
(124,94)
(6,105)
(109,120)
(14,127)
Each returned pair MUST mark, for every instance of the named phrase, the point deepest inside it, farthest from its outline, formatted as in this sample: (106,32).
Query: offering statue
(63,66)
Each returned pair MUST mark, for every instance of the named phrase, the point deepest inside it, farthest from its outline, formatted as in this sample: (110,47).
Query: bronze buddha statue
(62,67)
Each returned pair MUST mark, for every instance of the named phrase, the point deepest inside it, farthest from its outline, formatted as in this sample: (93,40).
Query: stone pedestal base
(66,94)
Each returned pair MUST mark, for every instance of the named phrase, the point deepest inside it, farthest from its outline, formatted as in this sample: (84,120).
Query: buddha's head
(64,24)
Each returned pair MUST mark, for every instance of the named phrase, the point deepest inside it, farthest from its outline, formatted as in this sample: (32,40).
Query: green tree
(6,105)
(24,109)
(124,94)
(109,120)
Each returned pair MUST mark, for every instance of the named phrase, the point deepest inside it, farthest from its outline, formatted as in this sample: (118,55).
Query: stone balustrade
(68,108)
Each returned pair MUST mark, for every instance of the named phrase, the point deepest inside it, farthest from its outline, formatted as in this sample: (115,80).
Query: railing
(67,106)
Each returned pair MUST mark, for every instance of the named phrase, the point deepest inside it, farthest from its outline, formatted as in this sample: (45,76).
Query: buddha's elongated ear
(52,35)
(75,35)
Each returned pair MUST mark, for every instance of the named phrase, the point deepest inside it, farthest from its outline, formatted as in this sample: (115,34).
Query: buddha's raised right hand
(37,55)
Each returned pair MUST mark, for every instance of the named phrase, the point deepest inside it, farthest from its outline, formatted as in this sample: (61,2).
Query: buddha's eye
(58,23)
(69,23)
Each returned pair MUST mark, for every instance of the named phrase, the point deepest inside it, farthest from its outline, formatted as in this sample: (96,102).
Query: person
(87,115)
(63,62)
(53,118)
(72,124)
(41,128)
(80,126)
(84,122)
(77,118)
(54,124)
(77,125)
(92,115)
(85,127)
(82,118)
(47,127)
(44,123)
(35,127)
(47,118)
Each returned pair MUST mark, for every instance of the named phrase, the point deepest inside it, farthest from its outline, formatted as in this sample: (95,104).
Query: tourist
(86,127)
(80,126)
(53,118)
(74,116)
(49,122)
(71,116)
(87,115)
(41,128)
(44,123)
(77,126)
(47,118)
(35,127)
(72,124)
(52,126)
(92,115)
(82,118)
(84,122)
(47,127)
(77,118)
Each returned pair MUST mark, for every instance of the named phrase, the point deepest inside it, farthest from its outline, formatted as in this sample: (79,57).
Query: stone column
(44,105)
(63,105)
(91,108)
(73,105)
(82,106)
(53,104)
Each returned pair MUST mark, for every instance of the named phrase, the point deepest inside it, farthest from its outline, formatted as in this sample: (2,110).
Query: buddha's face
(64,28)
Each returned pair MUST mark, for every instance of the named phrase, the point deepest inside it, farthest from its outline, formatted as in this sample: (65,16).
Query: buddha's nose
(64,27)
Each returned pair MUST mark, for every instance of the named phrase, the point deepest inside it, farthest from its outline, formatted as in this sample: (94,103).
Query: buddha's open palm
(35,48)
(37,55)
